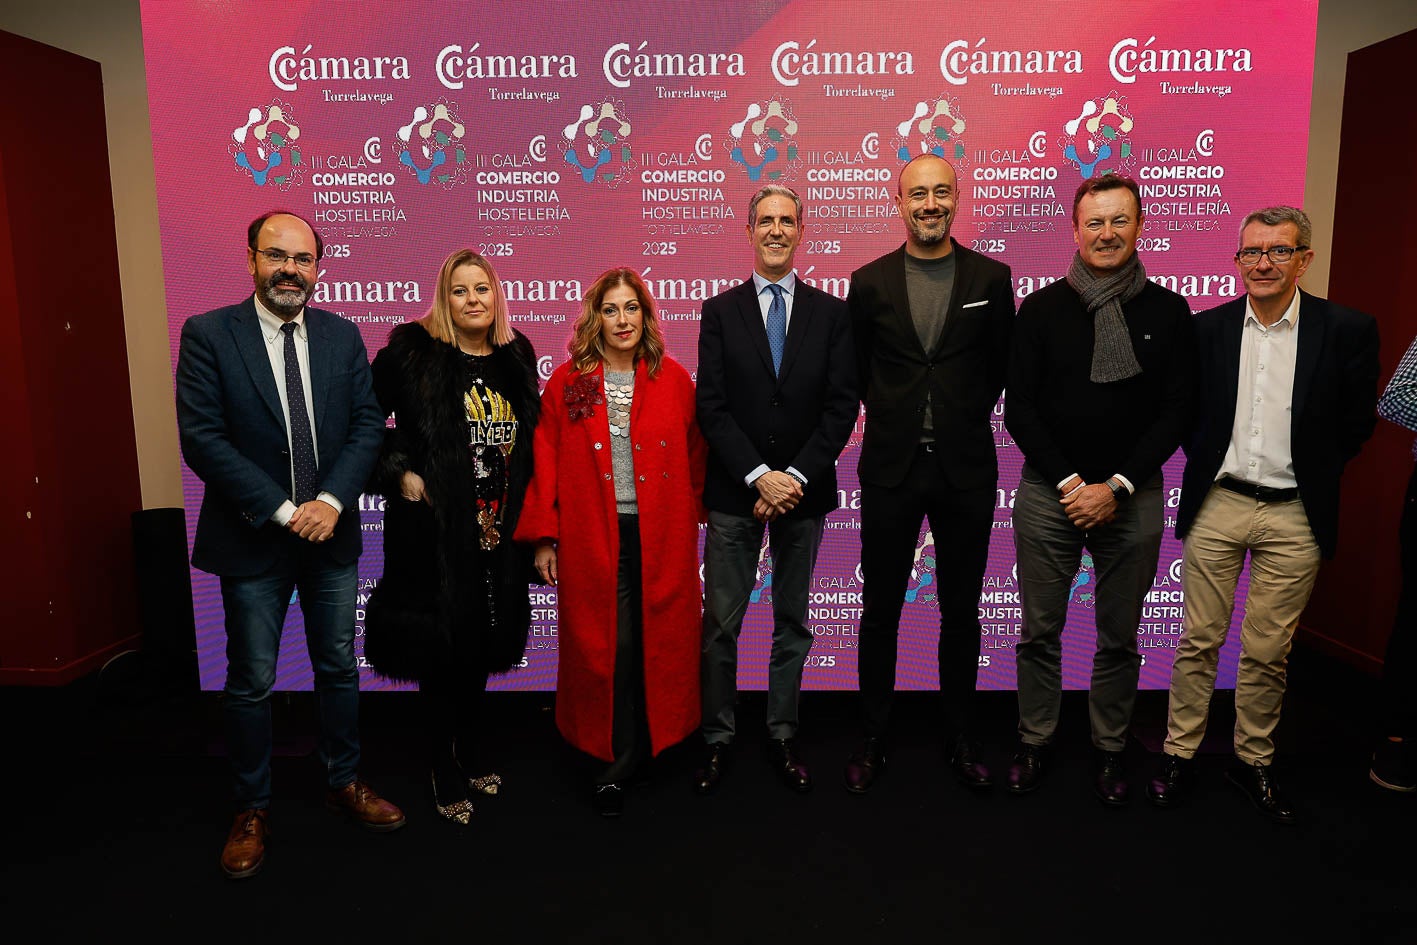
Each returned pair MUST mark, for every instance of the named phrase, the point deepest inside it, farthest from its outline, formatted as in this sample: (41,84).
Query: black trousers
(961,521)
(1399,679)
(629,727)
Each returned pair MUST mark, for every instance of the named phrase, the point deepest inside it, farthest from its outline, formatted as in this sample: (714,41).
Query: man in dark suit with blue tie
(1287,396)
(776,402)
(278,419)
(931,322)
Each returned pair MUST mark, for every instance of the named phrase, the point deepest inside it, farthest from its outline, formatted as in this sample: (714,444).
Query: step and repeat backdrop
(560,139)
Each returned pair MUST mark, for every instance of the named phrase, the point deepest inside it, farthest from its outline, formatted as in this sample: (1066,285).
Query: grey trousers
(731,552)
(1049,549)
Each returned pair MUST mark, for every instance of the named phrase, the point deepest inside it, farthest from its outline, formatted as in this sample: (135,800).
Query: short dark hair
(1108,181)
(254,230)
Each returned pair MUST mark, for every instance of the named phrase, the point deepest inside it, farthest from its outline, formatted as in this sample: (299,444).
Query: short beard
(287,302)
(926,238)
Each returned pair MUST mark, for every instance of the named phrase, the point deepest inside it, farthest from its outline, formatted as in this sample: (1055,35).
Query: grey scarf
(1112,355)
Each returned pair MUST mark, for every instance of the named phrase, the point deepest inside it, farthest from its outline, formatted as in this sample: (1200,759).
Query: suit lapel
(1312,328)
(320,356)
(251,344)
(959,291)
(894,271)
(1232,330)
(797,326)
(751,323)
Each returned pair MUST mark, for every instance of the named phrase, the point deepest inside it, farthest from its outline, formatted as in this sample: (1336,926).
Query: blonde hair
(587,346)
(439,320)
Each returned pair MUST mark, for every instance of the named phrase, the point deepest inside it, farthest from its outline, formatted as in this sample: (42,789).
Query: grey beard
(927,238)
(285,301)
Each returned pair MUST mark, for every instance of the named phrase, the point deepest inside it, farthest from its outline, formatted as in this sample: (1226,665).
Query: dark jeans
(961,521)
(255,615)
(1399,679)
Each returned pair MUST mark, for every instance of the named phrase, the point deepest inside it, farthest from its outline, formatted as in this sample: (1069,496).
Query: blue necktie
(777,326)
(302,443)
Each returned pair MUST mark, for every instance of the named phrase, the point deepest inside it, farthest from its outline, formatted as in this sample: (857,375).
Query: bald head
(926,195)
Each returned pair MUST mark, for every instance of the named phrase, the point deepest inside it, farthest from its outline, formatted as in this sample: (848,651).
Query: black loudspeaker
(166,663)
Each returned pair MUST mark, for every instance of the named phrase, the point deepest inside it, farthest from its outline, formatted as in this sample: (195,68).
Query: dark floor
(115,800)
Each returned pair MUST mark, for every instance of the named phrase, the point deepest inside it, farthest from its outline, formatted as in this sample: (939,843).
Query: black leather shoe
(610,799)
(865,766)
(707,776)
(1172,784)
(1111,783)
(782,754)
(1027,769)
(967,768)
(1257,783)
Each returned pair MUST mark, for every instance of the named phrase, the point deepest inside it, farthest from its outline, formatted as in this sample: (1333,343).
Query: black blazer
(233,434)
(963,376)
(800,418)
(1333,406)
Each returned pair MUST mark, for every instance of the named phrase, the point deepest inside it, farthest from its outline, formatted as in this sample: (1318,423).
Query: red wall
(1374,251)
(70,480)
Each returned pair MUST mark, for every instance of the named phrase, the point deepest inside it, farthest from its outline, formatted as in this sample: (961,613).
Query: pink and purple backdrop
(560,139)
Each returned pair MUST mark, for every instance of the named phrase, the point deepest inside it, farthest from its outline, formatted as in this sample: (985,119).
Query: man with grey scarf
(1098,399)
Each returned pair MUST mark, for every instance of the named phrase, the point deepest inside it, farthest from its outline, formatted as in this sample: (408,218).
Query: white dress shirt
(1260,452)
(275,350)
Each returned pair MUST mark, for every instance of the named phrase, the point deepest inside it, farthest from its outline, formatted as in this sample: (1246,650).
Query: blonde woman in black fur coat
(452,606)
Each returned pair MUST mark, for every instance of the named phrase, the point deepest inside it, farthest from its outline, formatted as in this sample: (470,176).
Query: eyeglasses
(1279,255)
(277,258)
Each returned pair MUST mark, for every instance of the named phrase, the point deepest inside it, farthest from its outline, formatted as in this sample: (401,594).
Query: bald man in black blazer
(932,322)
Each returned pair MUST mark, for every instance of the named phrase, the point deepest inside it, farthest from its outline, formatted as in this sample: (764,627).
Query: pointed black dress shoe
(1027,769)
(967,768)
(782,755)
(610,799)
(1172,784)
(865,766)
(708,774)
(1111,784)
(1256,782)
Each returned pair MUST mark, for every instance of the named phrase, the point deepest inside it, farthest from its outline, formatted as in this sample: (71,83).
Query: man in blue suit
(278,419)
(776,402)
(1287,394)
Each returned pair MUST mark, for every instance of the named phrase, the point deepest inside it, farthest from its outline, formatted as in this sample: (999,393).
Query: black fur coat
(443,603)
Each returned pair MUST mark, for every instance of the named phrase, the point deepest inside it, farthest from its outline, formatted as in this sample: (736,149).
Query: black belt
(1262,493)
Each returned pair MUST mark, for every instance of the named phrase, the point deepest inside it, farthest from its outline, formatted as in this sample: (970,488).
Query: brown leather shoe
(359,802)
(245,848)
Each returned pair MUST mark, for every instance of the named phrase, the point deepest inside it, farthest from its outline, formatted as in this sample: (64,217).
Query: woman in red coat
(613,509)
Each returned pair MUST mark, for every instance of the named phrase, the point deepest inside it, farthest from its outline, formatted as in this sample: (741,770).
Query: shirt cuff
(1067,479)
(752,477)
(282,515)
(792,471)
(1131,489)
(329,499)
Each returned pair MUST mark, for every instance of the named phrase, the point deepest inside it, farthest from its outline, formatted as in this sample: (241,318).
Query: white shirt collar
(271,322)
(788,282)
(1291,314)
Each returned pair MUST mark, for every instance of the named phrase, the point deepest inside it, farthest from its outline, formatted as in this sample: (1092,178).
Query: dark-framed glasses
(1279,255)
(277,258)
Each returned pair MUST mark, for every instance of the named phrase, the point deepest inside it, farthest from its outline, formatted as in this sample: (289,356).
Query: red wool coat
(572,500)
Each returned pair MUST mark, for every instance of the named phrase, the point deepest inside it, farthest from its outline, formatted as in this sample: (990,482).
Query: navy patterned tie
(777,326)
(302,443)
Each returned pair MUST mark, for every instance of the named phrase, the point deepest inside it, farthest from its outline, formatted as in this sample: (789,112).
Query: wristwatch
(1119,491)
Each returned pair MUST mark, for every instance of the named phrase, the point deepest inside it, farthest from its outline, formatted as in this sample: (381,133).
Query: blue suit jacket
(234,438)
(1332,412)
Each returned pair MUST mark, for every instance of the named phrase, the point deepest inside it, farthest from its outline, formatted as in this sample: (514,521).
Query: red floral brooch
(582,395)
